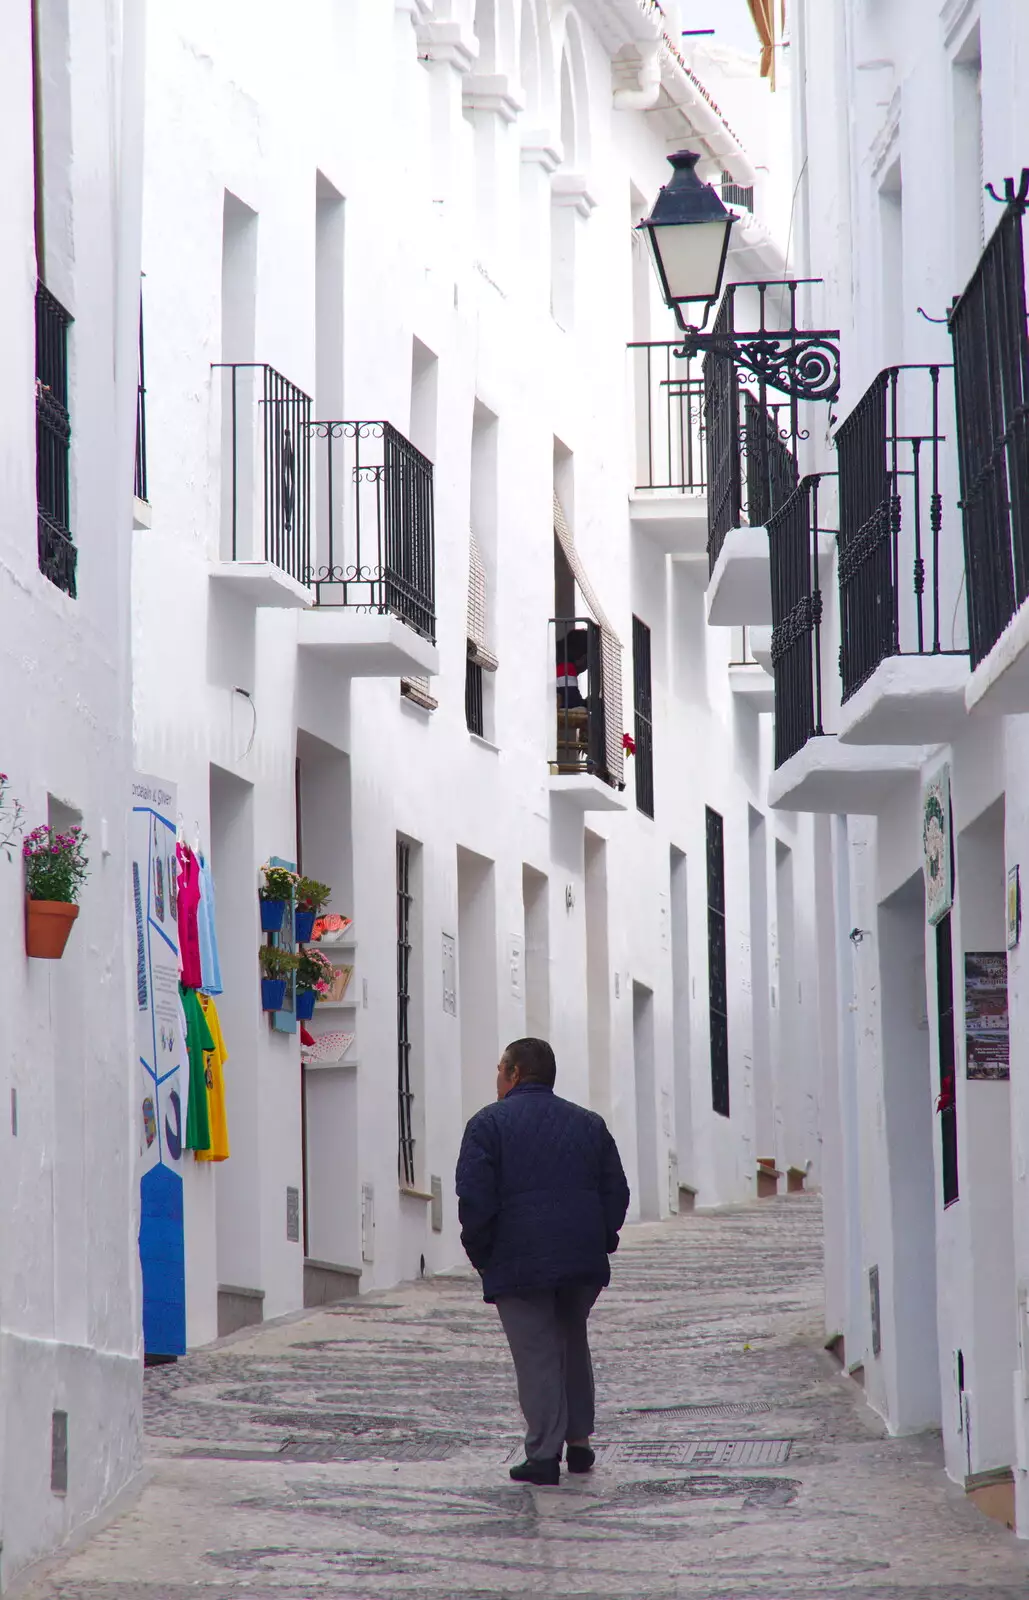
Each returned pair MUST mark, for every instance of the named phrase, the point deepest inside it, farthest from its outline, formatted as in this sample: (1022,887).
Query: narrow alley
(362,1451)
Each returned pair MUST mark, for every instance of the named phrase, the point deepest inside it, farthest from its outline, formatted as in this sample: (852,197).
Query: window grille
(644,718)
(473,710)
(945,1016)
(57,554)
(718,1000)
(405,1098)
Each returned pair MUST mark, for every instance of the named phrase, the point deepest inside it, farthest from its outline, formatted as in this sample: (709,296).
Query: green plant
(312,895)
(55,866)
(276,962)
(314,971)
(11,824)
(279,884)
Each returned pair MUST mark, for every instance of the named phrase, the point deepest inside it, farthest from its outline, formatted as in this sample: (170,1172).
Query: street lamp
(688,232)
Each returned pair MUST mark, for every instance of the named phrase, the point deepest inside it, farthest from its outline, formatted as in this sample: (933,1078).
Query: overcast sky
(730,19)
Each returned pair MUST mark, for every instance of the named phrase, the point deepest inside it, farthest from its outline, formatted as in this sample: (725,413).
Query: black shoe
(545,1473)
(580,1458)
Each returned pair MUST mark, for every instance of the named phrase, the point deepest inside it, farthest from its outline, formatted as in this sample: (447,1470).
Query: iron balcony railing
(751,460)
(579,726)
(737,194)
(669,405)
(375,544)
(991,385)
(793,533)
(266,492)
(139,485)
(56,550)
(891,522)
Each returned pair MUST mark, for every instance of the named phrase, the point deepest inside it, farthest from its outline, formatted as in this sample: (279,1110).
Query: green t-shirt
(198,1039)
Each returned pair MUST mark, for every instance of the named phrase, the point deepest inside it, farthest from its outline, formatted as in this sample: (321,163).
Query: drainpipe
(649,79)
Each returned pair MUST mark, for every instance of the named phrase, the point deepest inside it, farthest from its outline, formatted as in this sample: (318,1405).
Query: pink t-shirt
(189,902)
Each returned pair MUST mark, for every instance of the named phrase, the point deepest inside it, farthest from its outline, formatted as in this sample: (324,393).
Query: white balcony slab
(739,593)
(999,685)
(827,776)
(759,641)
(676,523)
(584,791)
(262,583)
(908,700)
(367,644)
(751,684)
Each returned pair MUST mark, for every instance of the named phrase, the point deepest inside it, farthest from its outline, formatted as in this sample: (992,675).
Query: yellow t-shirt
(214,1061)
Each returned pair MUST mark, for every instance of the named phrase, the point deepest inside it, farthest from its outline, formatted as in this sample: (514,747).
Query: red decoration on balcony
(945,1098)
(628,744)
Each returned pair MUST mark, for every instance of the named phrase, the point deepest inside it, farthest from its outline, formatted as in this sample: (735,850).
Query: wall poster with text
(986,1016)
(163,1076)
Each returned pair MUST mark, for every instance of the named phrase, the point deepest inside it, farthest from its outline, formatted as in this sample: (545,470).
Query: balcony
(813,770)
(750,668)
(669,502)
(903,656)
(266,487)
(991,372)
(586,745)
(373,574)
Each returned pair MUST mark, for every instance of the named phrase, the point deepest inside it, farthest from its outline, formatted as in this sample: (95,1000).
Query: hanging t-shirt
(214,1062)
(188,908)
(210,966)
(199,1040)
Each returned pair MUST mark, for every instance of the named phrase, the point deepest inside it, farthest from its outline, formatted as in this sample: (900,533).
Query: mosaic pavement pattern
(362,1453)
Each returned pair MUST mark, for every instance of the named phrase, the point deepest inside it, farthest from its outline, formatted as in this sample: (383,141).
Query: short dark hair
(534,1060)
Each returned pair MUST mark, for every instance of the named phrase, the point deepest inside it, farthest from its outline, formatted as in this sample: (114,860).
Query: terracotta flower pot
(47,926)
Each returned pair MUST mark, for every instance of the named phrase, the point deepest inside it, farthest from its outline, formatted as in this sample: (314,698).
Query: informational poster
(163,1076)
(986,1016)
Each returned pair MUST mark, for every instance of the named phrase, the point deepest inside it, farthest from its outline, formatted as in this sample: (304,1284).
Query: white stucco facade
(69,1295)
(435,216)
(892,214)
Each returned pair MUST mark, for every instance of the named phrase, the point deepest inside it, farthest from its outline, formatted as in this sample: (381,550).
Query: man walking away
(541,1198)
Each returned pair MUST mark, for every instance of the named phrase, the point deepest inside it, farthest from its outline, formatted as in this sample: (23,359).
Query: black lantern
(688,232)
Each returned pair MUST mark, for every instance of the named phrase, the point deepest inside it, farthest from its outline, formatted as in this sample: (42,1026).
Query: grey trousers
(546,1329)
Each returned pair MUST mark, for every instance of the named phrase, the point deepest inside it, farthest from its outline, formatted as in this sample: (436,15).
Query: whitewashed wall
(906,157)
(69,1297)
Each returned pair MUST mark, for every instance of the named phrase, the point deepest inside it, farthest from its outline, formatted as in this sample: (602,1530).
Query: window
(644,729)
(718,1002)
(57,553)
(473,711)
(139,486)
(405,1098)
(945,1016)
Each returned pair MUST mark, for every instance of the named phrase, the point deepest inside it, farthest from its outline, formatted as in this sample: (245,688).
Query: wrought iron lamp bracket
(805,365)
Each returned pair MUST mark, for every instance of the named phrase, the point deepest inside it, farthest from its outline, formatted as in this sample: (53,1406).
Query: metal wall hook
(1011,196)
(927,317)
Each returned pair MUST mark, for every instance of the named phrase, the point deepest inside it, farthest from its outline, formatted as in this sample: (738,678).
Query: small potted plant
(276,893)
(311,896)
(276,966)
(55,870)
(314,975)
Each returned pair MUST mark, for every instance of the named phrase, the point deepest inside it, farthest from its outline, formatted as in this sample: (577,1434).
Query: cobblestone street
(363,1452)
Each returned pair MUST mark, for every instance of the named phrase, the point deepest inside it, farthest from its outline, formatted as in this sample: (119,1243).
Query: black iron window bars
(579,723)
(139,484)
(991,384)
(670,443)
(474,712)
(793,534)
(261,397)
(643,729)
(717,971)
(376,534)
(57,554)
(405,1096)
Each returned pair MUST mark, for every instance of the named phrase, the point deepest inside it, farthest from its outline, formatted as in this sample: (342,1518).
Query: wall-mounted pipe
(645,96)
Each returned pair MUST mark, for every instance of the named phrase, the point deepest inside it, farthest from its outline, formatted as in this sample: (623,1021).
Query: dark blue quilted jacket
(541,1193)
